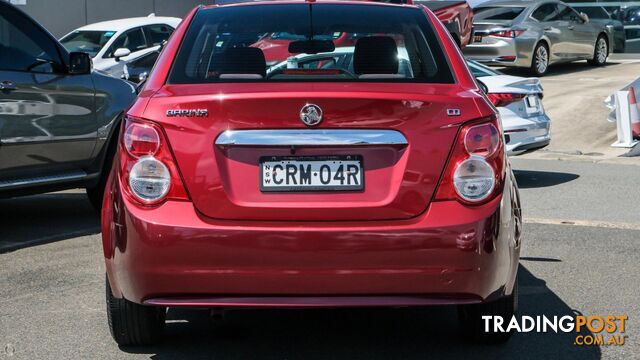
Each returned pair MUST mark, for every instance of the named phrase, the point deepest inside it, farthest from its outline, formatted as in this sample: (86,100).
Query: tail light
(504,99)
(148,171)
(475,171)
(506,33)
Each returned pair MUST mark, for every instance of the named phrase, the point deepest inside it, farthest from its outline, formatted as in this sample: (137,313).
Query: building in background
(62,16)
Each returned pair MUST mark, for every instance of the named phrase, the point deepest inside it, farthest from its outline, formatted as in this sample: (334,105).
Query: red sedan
(376,179)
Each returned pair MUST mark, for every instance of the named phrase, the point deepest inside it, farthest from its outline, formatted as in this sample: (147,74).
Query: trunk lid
(399,179)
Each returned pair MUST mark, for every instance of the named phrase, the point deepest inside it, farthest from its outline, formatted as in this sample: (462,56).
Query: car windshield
(229,44)
(497,12)
(89,42)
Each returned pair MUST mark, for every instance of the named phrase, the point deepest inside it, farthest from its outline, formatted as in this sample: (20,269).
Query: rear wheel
(134,324)
(540,61)
(473,326)
(600,53)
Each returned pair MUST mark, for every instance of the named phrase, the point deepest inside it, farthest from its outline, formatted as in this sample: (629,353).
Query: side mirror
(584,18)
(121,52)
(79,63)
(143,76)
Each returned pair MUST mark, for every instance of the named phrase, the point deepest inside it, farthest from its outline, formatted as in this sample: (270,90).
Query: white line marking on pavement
(589,223)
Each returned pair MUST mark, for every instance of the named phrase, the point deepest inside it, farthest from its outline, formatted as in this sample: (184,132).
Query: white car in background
(525,123)
(112,43)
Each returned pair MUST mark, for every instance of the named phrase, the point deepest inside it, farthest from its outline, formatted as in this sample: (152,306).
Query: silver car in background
(535,34)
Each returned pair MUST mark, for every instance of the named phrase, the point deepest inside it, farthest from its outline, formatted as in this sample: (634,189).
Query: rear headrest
(375,55)
(244,60)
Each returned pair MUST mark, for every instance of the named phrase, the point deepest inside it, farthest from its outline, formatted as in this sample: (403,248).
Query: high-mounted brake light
(148,171)
(506,33)
(475,170)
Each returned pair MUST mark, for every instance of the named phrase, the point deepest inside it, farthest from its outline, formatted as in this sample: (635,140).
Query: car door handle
(548,28)
(8,86)
(570,27)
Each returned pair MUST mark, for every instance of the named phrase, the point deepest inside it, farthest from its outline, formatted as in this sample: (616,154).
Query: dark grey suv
(58,119)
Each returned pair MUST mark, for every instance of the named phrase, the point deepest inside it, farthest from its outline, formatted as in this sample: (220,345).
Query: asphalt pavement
(52,294)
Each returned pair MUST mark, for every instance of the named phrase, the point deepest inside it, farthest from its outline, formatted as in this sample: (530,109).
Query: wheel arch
(546,43)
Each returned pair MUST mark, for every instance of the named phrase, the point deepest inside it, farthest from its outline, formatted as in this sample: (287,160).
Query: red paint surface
(388,245)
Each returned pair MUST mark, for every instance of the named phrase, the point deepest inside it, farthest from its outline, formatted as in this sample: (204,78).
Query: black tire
(540,59)
(95,195)
(600,52)
(473,326)
(133,324)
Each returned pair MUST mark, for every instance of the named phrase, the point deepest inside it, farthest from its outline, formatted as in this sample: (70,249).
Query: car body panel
(452,254)
(398,174)
(54,126)
(598,14)
(457,16)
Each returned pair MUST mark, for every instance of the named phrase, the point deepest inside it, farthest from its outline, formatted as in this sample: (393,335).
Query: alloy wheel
(542,59)
(601,50)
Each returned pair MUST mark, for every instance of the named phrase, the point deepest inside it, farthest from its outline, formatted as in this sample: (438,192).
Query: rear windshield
(302,42)
(497,12)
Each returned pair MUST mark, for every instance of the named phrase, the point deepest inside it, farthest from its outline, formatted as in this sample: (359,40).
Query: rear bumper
(527,134)
(172,256)
(500,51)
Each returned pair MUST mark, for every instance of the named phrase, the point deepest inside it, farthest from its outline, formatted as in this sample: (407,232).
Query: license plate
(532,103)
(477,38)
(311,173)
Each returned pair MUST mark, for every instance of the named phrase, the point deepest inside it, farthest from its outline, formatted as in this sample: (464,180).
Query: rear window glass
(302,42)
(497,12)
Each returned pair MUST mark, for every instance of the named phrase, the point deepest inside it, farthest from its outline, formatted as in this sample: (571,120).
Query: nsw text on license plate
(311,173)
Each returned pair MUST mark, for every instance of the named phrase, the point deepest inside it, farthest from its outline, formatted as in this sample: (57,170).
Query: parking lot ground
(52,295)
(574,97)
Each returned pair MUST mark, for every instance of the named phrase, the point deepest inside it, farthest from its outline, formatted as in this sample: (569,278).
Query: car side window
(566,13)
(133,40)
(24,46)
(546,12)
(158,33)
